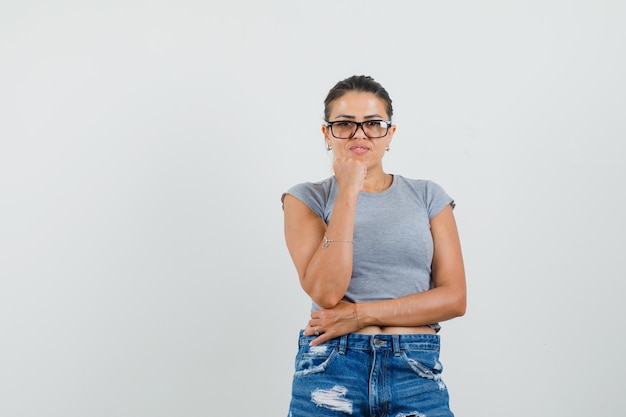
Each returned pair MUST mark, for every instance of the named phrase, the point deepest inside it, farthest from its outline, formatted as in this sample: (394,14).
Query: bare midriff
(396,330)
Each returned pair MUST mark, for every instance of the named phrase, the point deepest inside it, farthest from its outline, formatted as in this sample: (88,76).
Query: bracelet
(356,316)
(327,241)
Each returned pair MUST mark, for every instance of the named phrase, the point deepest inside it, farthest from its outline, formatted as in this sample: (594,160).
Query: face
(359,106)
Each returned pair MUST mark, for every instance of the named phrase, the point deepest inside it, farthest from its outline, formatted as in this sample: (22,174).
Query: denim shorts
(369,376)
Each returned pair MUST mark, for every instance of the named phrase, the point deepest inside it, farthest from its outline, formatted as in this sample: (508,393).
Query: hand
(332,322)
(350,173)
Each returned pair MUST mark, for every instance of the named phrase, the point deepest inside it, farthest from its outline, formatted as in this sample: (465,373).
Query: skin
(325,273)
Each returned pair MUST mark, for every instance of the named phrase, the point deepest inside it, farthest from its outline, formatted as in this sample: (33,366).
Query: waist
(373,330)
(396,342)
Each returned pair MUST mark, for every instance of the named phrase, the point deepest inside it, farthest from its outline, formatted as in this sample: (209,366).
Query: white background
(144,146)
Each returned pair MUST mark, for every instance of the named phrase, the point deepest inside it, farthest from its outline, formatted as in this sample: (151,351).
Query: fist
(350,173)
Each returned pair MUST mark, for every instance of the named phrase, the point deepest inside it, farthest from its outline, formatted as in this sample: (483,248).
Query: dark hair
(363,83)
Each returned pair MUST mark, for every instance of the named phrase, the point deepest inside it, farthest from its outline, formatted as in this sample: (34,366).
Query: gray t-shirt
(393,246)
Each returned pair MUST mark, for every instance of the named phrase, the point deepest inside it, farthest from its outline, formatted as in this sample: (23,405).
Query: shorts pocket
(314,359)
(425,363)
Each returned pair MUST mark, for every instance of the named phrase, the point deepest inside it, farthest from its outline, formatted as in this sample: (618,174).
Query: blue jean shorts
(369,376)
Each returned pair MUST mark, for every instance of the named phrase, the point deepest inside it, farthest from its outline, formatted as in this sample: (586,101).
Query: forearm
(436,305)
(415,310)
(328,274)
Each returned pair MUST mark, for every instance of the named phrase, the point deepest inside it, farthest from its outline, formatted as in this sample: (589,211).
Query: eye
(343,124)
(375,123)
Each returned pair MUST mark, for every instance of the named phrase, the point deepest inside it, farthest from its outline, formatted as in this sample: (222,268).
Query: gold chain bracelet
(327,241)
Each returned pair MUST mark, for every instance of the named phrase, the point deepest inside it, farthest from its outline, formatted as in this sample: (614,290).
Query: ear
(326,132)
(392,131)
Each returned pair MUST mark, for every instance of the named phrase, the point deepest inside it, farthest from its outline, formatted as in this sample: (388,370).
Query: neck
(376,182)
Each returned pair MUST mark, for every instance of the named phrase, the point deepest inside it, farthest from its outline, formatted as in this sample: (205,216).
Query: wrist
(347,194)
(355,314)
(363,313)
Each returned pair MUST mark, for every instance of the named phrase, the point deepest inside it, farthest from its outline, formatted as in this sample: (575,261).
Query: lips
(359,149)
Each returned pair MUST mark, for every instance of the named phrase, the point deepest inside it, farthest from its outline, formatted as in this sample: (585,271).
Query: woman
(380,257)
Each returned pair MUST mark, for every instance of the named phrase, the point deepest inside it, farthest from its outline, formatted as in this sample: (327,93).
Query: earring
(329,148)
(387,148)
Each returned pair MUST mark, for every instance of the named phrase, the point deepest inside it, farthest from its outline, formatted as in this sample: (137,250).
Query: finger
(312,324)
(312,330)
(320,339)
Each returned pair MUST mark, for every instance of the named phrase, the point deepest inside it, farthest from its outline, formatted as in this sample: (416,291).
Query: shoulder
(321,188)
(313,194)
(432,195)
(421,186)
(316,186)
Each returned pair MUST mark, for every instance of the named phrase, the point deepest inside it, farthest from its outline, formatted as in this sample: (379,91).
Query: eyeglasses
(345,129)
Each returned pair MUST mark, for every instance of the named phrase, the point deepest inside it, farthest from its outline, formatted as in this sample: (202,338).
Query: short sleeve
(436,199)
(313,195)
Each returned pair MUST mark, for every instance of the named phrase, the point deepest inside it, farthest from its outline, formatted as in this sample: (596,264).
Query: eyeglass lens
(347,129)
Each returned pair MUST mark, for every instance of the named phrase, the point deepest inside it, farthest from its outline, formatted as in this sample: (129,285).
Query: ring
(316,332)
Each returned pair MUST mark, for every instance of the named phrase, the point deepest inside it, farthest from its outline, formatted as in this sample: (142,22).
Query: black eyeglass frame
(358,125)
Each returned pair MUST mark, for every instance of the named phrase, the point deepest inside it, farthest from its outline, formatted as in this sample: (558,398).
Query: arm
(448,297)
(325,272)
(445,301)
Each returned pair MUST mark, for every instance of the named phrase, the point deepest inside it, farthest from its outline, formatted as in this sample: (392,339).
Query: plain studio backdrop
(144,147)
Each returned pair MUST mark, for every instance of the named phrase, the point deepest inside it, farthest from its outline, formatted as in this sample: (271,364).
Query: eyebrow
(371,116)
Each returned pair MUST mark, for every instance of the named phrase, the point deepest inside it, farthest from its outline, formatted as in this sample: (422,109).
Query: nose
(360,132)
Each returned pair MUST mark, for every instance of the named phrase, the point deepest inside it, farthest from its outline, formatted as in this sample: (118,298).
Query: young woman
(380,257)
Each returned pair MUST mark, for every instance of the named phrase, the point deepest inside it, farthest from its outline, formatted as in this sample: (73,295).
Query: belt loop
(395,340)
(343,343)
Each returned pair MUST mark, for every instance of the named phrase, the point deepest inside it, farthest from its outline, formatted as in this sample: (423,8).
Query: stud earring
(329,148)
(387,148)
